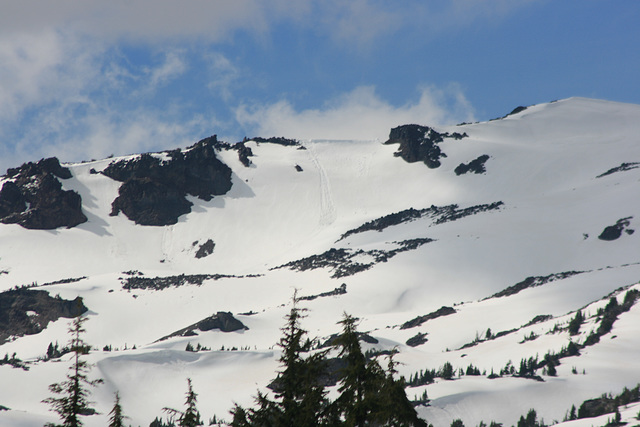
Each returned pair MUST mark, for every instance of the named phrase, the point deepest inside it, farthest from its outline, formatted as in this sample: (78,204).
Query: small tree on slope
(300,398)
(191,416)
(368,396)
(116,418)
(74,391)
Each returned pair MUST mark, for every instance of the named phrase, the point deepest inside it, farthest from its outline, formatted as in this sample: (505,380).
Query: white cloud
(172,67)
(359,114)
(36,69)
(223,74)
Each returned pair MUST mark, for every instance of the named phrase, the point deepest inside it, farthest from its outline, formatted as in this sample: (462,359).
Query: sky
(83,80)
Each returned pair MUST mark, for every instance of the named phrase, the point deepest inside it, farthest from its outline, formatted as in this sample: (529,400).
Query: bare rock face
(222,320)
(154,190)
(27,312)
(33,197)
(419,143)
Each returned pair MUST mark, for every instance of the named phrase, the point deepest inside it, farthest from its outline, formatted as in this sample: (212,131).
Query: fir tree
(395,408)
(191,416)
(575,323)
(300,396)
(74,391)
(368,395)
(358,378)
(116,416)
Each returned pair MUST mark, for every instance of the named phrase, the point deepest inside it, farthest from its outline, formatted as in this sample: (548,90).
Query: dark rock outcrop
(475,166)
(613,232)
(244,153)
(440,215)
(534,281)
(25,311)
(34,198)
(342,261)
(337,291)
(277,140)
(622,168)
(442,311)
(160,283)
(222,320)
(419,143)
(154,190)
(417,340)
(205,249)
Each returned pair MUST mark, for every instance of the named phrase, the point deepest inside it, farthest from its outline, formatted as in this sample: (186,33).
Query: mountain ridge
(551,195)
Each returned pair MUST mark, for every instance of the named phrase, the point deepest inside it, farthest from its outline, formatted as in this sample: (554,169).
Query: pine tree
(395,408)
(116,416)
(74,391)
(357,378)
(191,416)
(299,395)
(368,395)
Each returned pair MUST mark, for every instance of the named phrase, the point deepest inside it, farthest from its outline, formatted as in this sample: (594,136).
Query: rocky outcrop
(614,231)
(154,190)
(475,166)
(222,320)
(25,311)
(33,197)
(420,143)
(205,249)
(277,140)
(417,321)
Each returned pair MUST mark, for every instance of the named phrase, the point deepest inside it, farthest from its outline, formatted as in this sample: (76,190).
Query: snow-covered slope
(557,175)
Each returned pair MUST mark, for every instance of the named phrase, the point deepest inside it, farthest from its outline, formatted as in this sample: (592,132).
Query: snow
(543,166)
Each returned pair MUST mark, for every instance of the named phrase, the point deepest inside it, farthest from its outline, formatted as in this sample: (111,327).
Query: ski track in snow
(328,212)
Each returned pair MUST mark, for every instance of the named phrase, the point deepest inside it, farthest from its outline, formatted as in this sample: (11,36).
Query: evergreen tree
(575,323)
(191,416)
(300,398)
(359,379)
(368,395)
(300,394)
(74,391)
(116,416)
(395,408)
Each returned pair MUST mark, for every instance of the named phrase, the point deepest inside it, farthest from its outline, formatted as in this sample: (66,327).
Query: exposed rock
(331,341)
(475,166)
(337,291)
(34,197)
(516,110)
(160,283)
(148,202)
(442,311)
(26,312)
(50,165)
(419,143)
(341,261)
(244,153)
(277,140)
(440,214)
(417,340)
(205,249)
(298,168)
(613,232)
(534,281)
(623,167)
(222,320)
(154,191)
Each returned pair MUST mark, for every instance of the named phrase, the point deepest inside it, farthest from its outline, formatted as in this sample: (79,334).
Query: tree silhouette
(191,416)
(116,415)
(74,391)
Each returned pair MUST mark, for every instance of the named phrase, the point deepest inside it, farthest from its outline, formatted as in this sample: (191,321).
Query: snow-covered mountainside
(475,245)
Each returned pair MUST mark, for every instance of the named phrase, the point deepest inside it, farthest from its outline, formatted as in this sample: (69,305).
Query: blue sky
(88,79)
